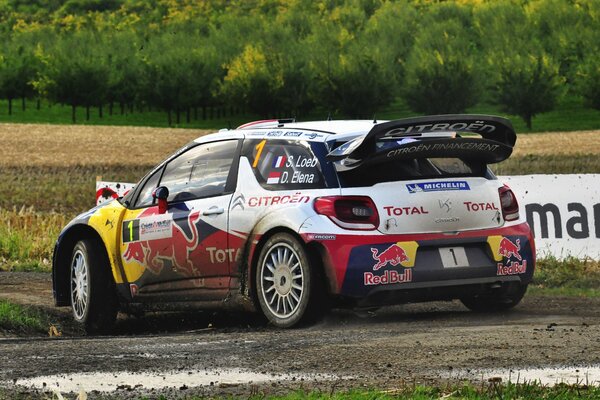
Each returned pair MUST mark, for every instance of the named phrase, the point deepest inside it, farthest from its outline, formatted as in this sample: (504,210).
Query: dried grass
(69,145)
(558,143)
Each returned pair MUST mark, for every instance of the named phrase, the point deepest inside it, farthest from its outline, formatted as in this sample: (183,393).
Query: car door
(183,253)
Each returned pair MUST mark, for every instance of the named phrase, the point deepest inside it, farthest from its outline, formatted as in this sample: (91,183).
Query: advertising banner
(563,211)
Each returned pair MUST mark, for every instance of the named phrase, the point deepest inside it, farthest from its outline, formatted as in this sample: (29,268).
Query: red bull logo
(508,249)
(388,277)
(514,268)
(393,255)
(174,247)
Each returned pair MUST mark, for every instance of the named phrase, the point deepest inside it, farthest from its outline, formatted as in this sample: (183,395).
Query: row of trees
(272,58)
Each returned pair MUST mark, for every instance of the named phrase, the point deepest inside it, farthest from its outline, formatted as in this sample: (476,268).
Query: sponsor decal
(411,148)
(110,222)
(223,255)
(505,250)
(148,228)
(400,253)
(388,277)
(447,204)
(514,268)
(279,162)
(480,206)
(174,245)
(275,133)
(509,249)
(390,210)
(273,178)
(293,134)
(321,236)
(477,126)
(446,220)
(264,201)
(312,135)
(437,186)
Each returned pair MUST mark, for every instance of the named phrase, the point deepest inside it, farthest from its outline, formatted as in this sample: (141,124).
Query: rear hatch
(434,205)
(431,180)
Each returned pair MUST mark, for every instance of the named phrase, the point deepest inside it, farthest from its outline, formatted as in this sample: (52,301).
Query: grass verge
(15,318)
(485,391)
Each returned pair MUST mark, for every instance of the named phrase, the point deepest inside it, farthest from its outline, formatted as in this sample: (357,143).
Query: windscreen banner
(562,210)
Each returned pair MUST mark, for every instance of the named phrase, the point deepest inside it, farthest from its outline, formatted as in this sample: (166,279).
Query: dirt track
(411,343)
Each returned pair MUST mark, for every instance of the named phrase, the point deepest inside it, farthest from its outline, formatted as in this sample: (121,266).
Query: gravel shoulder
(410,343)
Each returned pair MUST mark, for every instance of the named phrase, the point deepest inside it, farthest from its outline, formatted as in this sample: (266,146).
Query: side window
(145,197)
(284,165)
(199,172)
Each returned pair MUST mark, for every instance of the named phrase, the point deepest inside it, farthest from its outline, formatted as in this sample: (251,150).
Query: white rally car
(289,218)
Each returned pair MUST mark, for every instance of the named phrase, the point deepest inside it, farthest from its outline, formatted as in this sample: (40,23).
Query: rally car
(291,218)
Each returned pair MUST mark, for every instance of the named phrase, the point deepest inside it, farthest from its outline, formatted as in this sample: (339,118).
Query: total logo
(480,206)
(509,250)
(397,211)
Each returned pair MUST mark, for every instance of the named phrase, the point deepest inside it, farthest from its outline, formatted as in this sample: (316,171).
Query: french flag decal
(273,178)
(279,162)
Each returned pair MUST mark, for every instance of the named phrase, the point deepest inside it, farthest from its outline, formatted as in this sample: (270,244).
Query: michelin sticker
(437,186)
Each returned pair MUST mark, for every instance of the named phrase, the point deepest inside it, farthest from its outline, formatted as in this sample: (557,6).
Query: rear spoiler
(408,139)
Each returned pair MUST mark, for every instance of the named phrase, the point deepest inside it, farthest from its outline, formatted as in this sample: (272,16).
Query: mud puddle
(550,376)
(146,380)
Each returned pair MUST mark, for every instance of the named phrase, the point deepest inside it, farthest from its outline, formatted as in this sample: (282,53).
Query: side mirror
(161,194)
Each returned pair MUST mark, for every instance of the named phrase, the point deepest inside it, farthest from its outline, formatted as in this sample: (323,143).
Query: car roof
(313,130)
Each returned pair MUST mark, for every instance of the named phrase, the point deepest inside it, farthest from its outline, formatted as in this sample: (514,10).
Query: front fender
(102,223)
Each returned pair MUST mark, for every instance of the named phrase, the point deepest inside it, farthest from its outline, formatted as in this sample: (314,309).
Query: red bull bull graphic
(393,255)
(509,249)
(154,240)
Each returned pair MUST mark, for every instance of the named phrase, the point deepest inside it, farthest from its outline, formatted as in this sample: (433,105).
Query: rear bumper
(435,291)
(360,266)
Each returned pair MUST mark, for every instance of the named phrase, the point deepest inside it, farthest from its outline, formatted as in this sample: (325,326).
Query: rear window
(419,168)
(284,164)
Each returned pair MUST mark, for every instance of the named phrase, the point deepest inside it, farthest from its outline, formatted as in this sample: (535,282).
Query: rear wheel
(287,287)
(507,298)
(93,297)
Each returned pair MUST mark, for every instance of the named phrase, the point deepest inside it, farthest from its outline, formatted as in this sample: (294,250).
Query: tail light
(349,212)
(508,202)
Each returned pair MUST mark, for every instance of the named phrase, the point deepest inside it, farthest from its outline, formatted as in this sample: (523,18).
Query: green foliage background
(271,58)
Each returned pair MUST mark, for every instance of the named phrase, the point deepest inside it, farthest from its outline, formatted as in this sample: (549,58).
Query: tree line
(277,57)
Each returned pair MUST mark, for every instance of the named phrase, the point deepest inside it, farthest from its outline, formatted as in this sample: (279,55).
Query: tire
(93,295)
(289,289)
(507,298)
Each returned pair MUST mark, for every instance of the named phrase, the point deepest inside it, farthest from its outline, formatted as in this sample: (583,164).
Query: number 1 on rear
(453,257)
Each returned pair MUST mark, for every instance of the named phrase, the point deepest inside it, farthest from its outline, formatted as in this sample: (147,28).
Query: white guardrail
(563,210)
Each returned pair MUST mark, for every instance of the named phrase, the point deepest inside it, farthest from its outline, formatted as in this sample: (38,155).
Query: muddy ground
(416,343)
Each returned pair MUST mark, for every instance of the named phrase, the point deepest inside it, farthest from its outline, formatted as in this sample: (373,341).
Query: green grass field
(569,115)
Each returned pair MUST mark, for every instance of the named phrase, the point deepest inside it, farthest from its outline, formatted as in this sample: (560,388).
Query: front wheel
(93,298)
(287,287)
(507,298)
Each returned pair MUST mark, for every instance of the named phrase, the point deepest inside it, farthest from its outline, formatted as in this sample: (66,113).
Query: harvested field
(72,145)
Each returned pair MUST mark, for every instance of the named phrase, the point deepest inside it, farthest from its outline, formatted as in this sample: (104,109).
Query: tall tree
(527,83)
(441,73)
(76,72)
(18,69)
